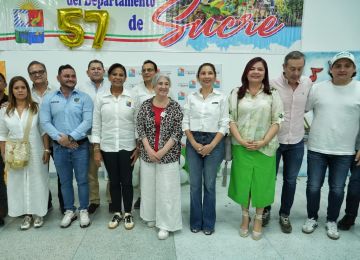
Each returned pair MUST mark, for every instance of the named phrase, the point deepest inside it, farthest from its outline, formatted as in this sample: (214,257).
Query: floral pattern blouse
(254,115)
(170,127)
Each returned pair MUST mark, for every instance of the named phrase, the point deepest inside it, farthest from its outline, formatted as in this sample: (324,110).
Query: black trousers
(3,195)
(118,166)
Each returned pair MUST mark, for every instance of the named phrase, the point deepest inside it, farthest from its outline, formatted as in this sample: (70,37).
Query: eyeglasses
(38,72)
(147,70)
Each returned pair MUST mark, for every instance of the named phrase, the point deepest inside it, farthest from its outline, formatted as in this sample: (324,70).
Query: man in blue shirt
(66,116)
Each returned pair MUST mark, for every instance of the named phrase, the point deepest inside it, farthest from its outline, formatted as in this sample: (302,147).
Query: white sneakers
(163,234)
(115,221)
(331,228)
(309,226)
(69,217)
(84,218)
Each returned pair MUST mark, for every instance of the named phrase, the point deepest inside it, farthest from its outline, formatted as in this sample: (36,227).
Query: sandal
(257,235)
(244,232)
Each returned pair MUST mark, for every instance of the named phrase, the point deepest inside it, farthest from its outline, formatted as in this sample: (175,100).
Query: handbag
(17,152)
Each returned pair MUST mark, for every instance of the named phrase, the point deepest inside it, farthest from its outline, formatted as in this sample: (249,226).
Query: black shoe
(137,203)
(285,224)
(265,217)
(194,230)
(2,222)
(92,208)
(346,222)
(111,210)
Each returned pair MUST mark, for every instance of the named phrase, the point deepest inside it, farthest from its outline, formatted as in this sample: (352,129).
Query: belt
(79,142)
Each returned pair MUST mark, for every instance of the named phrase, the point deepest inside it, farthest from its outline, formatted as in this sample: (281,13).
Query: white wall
(328,25)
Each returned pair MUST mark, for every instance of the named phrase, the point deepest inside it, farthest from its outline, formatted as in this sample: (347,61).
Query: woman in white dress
(27,188)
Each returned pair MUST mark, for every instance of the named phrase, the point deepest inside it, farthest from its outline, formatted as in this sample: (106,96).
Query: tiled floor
(98,242)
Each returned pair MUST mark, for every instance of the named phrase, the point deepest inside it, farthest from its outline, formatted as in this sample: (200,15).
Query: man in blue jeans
(336,118)
(66,116)
(293,89)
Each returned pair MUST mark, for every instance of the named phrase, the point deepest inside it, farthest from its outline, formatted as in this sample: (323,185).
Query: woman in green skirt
(256,112)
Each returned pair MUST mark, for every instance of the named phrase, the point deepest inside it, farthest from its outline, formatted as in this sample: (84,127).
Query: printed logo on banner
(192,84)
(132,72)
(29,26)
(181,95)
(181,72)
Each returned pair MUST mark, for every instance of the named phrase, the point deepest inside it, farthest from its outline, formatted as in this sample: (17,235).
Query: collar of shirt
(258,93)
(286,81)
(125,92)
(48,89)
(214,92)
(102,84)
(75,91)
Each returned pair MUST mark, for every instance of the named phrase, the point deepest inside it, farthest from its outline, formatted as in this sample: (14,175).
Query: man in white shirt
(293,89)
(38,75)
(143,91)
(336,107)
(92,87)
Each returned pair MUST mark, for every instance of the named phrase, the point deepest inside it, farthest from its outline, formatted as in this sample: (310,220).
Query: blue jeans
(66,162)
(203,172)
(339,166)
(353,191)
(292,155)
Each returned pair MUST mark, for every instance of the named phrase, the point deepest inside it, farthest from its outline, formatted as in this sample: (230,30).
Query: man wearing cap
(293,89)
(336,107)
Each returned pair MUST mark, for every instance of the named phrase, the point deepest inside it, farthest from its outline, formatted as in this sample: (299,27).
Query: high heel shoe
(244,232)
(257,235)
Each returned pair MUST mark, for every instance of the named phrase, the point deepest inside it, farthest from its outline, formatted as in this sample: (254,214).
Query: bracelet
(96,148)
(47,151)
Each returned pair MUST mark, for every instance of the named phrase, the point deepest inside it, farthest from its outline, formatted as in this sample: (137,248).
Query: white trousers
(161,195)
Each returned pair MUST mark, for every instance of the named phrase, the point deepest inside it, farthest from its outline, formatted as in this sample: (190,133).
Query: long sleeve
(96,124)
(46,119)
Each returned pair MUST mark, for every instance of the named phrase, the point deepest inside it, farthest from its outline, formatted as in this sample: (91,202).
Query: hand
(197,147)
(152,155)
(46,157)
(357,158)
(5,104)
(64,140)
(255,145)
(206,150)
(134,156)
(97,158)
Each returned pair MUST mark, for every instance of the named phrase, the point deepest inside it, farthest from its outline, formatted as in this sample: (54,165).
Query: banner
(239,26)
(183,79)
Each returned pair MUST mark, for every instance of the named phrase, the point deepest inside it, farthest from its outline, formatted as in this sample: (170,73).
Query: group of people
(81,127)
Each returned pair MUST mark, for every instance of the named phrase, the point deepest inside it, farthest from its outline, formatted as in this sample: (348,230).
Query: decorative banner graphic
(317,65)
(29,26)
(268,26)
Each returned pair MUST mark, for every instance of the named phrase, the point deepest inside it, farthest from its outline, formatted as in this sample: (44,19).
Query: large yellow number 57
(67,22)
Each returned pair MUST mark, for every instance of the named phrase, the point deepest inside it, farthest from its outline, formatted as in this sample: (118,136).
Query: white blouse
(206,115)
(114,121)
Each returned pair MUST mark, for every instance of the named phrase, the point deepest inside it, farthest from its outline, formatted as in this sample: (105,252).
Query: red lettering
(227,27)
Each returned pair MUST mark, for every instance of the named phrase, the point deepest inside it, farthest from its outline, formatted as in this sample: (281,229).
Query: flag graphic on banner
(29,26)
